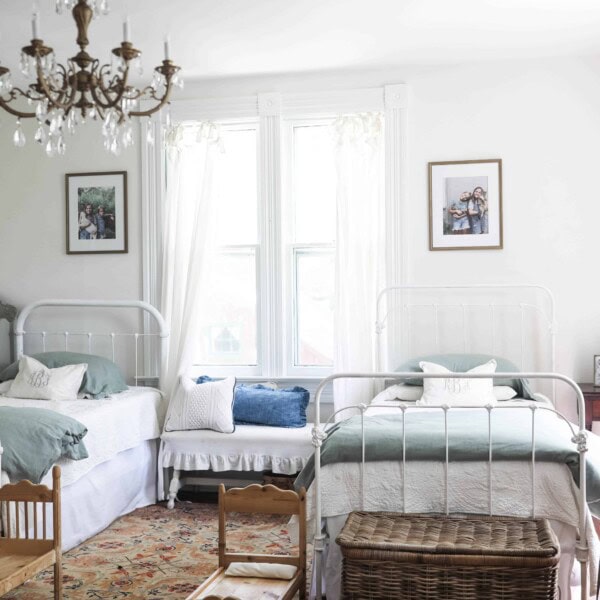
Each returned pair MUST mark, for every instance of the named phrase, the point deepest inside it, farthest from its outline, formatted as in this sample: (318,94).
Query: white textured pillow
(36,381)
(202,406)
(457,391)
(504,392)
(400,391)
(262,570)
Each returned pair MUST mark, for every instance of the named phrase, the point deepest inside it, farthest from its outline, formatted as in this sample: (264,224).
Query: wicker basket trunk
(417,557)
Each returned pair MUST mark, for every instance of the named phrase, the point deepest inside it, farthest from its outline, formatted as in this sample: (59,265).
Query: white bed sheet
(117,423)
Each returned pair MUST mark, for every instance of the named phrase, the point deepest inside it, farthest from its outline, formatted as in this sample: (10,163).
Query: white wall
(33,259)
(541,117)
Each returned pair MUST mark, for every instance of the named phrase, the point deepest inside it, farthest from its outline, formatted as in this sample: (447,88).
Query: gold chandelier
(63,97)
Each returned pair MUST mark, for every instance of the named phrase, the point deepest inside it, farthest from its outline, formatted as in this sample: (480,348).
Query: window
(311,193)
(301,259)
(229,336)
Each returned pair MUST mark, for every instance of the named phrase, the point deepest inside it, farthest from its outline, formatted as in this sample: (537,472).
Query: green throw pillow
(101,379)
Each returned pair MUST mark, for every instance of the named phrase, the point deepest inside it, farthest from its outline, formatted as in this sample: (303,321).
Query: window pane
(229,334)
(236,187)
(314,307)
(314,184)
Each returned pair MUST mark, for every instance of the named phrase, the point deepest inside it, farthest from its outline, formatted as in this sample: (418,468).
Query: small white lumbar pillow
(202,406)
(400,391)
(411,393)
(457,391)
(504,392)
(262,570)
(37,382)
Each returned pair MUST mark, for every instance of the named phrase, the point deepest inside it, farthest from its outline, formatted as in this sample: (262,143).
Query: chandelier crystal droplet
(63,96)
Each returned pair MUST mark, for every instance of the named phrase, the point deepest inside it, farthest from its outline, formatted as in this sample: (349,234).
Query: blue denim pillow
(261,405)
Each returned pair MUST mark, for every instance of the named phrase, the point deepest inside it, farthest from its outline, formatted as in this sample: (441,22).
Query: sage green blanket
(467,441)
(33,440)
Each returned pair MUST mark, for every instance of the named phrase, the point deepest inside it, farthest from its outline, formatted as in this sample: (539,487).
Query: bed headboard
(108,328)
(515,322)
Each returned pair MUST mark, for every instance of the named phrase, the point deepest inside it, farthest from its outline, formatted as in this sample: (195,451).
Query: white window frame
(269,109)
(289,250)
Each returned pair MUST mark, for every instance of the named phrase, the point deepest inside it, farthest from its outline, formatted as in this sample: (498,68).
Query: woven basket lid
(431,534)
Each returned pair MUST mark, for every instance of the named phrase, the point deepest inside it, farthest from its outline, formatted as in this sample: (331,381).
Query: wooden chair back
(29,526)
(26,545)
(260,499)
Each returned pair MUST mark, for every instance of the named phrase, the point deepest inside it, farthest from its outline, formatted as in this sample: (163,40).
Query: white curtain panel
(188,239)
(359,252)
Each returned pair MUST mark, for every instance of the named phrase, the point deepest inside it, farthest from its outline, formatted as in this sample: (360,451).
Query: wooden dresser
(591,393)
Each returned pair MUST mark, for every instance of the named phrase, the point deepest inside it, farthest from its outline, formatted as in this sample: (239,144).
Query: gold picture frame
(465,205)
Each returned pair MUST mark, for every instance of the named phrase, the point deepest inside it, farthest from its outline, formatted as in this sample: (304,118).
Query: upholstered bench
(249,448)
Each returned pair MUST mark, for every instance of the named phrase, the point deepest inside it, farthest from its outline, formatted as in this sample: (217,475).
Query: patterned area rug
(155,553)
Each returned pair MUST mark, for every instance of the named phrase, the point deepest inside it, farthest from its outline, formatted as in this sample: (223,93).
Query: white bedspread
(114,424)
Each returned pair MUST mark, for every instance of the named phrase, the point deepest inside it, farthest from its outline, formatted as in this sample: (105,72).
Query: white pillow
(504,392)
(202,406)
(457,391)
(262,570)
(400,391)
(36,381)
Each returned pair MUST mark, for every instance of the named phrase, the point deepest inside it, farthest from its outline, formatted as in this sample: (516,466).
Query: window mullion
(269,168)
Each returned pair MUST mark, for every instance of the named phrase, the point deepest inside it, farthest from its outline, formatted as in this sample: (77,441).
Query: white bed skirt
(111,489)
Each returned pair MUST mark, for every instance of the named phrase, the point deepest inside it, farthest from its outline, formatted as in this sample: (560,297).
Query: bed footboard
(578,437)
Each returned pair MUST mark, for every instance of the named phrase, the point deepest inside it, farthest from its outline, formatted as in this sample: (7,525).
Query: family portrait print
(465,205)
(96,212)
(467,210)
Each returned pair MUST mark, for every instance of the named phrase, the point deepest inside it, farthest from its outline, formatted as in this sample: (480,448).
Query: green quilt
(467,441)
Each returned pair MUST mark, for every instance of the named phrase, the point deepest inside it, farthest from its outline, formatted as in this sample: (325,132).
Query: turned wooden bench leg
(173,489)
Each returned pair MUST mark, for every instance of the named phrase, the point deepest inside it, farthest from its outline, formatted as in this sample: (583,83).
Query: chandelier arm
(17,113)
(112,102)
(100,103)
(56,102)
(105,92)
(161,103)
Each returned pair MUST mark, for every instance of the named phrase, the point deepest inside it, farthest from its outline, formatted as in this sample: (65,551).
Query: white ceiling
(223,38)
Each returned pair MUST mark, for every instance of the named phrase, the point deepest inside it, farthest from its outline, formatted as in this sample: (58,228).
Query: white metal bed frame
(579,437)
(148,309)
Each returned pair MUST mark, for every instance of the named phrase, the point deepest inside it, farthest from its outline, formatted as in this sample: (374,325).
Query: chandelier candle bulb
(167,48)
(126,30)
(35,26)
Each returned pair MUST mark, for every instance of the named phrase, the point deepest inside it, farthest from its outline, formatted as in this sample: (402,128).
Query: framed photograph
(96,212)
(597,369)
(465,205)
